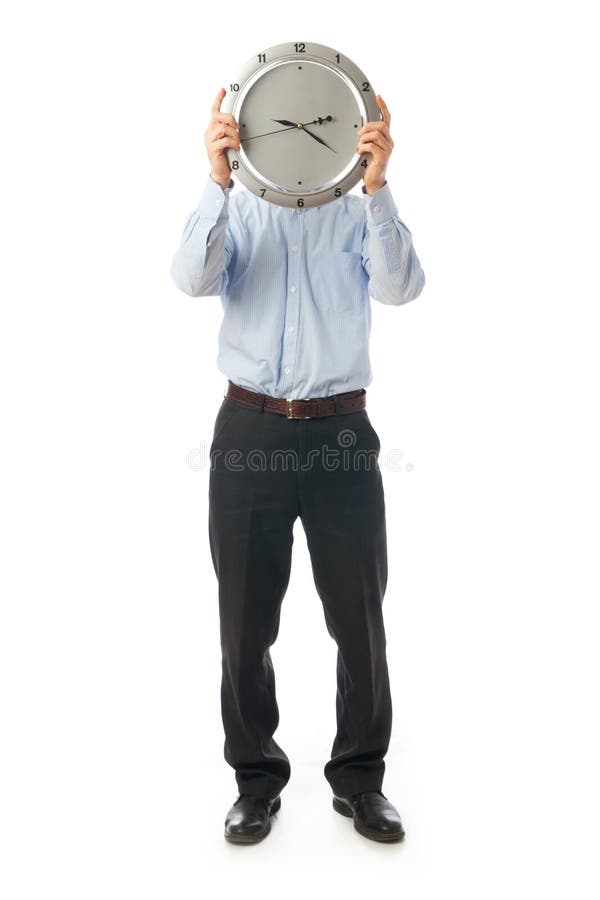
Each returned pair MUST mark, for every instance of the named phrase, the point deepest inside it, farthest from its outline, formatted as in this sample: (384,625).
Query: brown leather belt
(336,404)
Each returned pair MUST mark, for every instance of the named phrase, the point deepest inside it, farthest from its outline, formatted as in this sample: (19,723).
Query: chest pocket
(339,281)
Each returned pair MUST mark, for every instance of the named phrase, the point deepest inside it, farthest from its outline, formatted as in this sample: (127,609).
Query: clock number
(364,163)
(300,201)
(300,48)
(235,164)
(366,86)
(262,57)
(262,192)
(338,192)
(337,56)
(234,87)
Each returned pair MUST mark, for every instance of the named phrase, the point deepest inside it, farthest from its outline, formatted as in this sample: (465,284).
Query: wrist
(222,184)
(373,188)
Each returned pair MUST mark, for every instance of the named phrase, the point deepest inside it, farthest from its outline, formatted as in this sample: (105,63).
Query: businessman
(295,287)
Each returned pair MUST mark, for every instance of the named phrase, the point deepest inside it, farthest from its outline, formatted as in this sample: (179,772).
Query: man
(295,287)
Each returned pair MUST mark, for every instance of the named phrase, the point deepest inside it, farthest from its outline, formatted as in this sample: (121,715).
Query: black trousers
(266,470)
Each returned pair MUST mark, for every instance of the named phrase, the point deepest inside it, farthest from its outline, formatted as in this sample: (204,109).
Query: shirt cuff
(214,198)
(380,206)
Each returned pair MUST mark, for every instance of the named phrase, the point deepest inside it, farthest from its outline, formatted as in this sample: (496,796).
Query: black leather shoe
(374,816)
(249,819)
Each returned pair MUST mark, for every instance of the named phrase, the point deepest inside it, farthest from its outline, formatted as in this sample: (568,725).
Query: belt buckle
(290,414)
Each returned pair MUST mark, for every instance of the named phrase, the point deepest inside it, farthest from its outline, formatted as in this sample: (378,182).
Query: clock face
(299,108)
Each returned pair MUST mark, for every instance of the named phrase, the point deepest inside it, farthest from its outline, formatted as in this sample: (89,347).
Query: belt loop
(261,404)
(334,405)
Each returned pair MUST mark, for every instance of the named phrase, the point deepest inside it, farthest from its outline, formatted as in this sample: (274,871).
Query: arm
(199,266)
(389,257)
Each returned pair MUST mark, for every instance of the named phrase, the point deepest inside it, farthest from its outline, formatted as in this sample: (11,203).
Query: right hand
(222,132)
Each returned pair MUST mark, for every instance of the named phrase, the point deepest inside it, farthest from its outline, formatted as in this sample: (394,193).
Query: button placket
(292,308)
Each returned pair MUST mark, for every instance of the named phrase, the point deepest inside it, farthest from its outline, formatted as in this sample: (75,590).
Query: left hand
(375,138)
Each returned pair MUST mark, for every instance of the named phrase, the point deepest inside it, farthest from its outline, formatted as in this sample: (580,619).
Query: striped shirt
(295,285)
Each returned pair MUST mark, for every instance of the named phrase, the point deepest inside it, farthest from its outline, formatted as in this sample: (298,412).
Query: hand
(375,138)
(222,132)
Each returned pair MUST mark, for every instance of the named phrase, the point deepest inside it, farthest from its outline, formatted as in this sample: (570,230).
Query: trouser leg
(343,514)
(251,516)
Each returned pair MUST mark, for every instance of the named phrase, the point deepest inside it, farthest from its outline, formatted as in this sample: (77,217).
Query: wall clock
(299,107)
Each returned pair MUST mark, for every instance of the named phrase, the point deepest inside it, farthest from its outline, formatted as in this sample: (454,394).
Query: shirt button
(292,290)
(217,202)
(295,247)
(291,328)
(298,211)
(375,209)
(287,370)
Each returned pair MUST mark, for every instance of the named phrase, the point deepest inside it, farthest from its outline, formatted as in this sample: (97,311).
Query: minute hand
(319,140)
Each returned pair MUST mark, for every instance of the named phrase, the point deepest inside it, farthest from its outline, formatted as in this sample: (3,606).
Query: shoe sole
(255,838)
(345,810)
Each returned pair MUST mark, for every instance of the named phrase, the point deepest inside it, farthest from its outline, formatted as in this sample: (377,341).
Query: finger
(370,135)
(218,100)
(377,153)
(387,117)
(223,117)
(216,113)
(370,126)
(220,135)
(221,129)
(378,128)
(378,138)
(226,142)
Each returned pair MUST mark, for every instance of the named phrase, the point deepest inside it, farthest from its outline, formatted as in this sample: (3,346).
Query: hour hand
(284,122)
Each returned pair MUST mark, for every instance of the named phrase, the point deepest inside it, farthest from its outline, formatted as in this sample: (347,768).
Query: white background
(113,781)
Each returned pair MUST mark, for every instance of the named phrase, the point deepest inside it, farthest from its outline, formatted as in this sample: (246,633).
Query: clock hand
(277,131)
(319,140)
(318,121)
(283,122)
(303,125)
(287,122)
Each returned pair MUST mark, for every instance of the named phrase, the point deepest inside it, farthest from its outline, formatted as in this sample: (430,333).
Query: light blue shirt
(295,285)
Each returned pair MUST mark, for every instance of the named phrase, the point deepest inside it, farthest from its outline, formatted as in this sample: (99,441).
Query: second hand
(278,130)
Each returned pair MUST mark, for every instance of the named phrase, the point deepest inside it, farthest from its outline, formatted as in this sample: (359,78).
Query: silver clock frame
(233,102)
